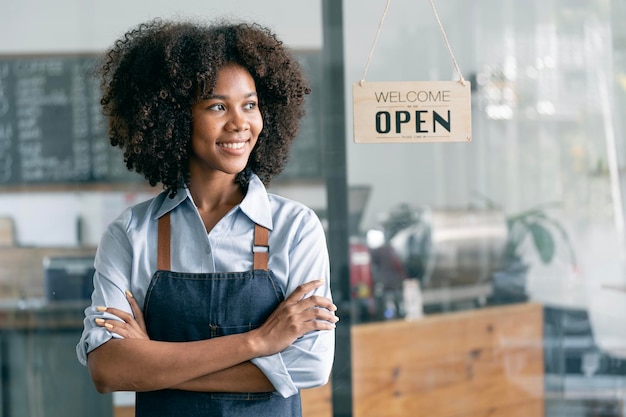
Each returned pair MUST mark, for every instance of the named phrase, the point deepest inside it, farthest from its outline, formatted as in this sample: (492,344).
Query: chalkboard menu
(51,127)
(52,130)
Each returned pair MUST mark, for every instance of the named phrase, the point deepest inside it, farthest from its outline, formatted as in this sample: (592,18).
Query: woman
(212,298)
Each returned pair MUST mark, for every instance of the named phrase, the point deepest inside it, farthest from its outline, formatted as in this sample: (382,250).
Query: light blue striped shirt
(126,259)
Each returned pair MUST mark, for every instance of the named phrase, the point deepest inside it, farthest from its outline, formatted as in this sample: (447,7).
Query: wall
(92,25)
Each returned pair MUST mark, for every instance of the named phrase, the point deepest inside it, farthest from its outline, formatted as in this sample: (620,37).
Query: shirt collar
(169,204)
(255,204)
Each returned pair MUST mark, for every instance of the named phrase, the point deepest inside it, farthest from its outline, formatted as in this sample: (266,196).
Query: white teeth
(236,145)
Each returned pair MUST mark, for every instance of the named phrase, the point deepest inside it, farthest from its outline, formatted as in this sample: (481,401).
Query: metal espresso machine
(452,253)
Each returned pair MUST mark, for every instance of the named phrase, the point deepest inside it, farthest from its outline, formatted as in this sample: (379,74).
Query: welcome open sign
(415,111)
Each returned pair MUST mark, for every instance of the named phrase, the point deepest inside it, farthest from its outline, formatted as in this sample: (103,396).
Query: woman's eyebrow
(223,97)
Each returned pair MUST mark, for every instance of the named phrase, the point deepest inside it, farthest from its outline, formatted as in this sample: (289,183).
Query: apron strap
(261,247)
(163,243)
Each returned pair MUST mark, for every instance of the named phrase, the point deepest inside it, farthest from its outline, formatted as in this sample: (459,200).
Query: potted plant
(544,232)
(540,227)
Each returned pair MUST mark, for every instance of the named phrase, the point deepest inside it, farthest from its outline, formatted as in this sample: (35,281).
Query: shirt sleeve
(308,361)
(113,263)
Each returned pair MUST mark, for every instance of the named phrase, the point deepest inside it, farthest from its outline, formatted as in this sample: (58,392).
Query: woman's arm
(244,377)
(136,363)
(307,362)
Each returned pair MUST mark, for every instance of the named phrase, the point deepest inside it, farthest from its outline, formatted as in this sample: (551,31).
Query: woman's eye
(251,105)
(217,107)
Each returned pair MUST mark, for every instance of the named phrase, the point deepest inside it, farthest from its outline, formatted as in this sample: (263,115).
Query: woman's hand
(295,317)
(130,327)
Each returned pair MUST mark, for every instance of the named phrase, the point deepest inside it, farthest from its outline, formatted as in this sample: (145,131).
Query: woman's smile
(232,145)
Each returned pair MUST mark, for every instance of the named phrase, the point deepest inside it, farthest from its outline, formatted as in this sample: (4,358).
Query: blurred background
(522,229)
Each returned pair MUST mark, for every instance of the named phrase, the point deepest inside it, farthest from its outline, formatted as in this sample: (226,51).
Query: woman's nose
(238,121)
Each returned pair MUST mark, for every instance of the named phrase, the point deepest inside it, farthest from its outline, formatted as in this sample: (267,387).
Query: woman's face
(226,125)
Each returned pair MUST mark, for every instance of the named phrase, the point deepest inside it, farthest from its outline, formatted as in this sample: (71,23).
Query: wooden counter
(485,362)
(479,363)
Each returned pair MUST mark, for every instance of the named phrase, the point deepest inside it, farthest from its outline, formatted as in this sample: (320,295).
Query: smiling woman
(213,298)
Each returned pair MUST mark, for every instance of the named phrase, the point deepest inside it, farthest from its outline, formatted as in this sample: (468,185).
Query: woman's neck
(214,198)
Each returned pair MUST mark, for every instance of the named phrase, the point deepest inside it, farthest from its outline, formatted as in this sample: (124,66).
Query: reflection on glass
(528,214)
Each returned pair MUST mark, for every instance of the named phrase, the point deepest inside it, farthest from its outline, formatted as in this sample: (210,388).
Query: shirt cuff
(275,370)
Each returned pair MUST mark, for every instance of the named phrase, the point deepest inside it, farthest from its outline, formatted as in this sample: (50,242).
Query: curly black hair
(155,73)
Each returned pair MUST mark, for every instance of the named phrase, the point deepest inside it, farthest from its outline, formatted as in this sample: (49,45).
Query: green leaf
(543,241)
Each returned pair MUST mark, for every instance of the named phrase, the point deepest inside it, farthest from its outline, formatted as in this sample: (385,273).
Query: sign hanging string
(445,38)
(443,32)
(369,58)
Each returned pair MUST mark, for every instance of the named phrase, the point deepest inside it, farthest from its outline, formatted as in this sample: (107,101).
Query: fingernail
(108,326)
(336,319)
(99,321)
(129,294)
(100,308)
(334,307)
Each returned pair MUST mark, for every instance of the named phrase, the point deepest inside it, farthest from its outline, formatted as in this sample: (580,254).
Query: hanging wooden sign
(412,112)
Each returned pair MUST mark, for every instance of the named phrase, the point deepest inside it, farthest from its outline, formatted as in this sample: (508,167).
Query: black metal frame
(334,154)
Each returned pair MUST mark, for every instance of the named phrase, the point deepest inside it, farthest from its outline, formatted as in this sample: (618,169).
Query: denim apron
(181,307)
